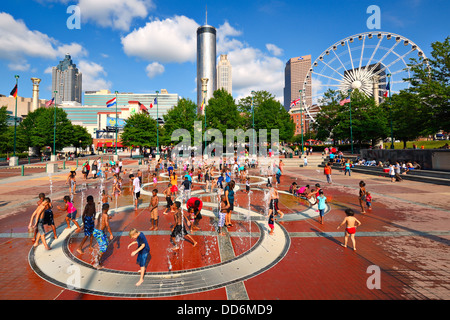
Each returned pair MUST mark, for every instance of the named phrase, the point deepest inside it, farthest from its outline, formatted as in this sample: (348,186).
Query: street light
(54,129)
(351,127)
(390,111)
(15,116)
(117,120)
(301,116)
(253,115)
(157,125)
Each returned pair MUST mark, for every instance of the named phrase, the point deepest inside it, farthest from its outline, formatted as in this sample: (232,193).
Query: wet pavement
(402,244)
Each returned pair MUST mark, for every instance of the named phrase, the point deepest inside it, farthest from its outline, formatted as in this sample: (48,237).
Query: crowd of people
(216,178)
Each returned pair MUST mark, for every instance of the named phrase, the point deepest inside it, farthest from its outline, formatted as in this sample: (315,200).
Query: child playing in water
(100,234)
(179,230)
(350,227)
(71,213)
(169,200)
(191,215)
(88,218)
(321,205)
(155,180)
(369,201)
(38,217)
(222,213)
(142,251)
(153,207)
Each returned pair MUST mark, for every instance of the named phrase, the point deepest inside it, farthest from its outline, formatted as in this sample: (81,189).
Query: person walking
(327,172)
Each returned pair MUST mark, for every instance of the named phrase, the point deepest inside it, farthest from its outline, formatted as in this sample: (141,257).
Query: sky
(141,46)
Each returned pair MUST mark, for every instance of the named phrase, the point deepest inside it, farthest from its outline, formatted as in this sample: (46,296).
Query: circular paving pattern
(60,267)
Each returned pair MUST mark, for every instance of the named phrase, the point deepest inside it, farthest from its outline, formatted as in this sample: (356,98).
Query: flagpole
(390,111)
(253,115)
(54,130)
(351,127)
(157,125)
(15,115)
(204,111)
(117,120)
(301,116)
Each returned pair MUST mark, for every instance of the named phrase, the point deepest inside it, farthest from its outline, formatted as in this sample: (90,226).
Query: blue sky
(142,46)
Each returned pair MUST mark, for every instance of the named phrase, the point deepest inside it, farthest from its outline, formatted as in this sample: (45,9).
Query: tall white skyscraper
(224,74)
(67,80)
(206,63)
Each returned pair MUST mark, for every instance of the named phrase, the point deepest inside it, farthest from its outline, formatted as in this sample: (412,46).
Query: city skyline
(153,45)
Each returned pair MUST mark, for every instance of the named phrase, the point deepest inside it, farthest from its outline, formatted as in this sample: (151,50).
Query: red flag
(14,92)
(142,107)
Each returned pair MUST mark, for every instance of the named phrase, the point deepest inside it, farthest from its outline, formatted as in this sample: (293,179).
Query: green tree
(271,114)
(182,116)
(81,134)
(222,113)
(245,105)
(432,84)
(139,131)
(369,121)
(36,130)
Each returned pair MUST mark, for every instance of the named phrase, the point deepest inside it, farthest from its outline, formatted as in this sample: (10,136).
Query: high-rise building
(67,80)
(294,78)
(224,74)
(206,63)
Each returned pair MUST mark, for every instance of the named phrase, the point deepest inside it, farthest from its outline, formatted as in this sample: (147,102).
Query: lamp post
(351,126)
(390,111)
(253,125)
(15,117)
(204,111)
(301,117)
(117,120)
(54,129)
(157,125)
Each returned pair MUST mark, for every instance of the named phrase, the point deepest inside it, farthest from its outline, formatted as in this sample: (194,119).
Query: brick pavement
(407,236)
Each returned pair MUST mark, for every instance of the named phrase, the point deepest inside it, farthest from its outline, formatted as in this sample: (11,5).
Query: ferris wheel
(366,61)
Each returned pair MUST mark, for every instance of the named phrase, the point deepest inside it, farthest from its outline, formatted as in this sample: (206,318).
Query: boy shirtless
(273,206)
(179,230)
(153,207)
(38,218)
(350,227)
(100,234)
(169,200)
(88,218)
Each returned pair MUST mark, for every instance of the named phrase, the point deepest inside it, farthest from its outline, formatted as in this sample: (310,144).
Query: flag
(152,104)
(346,100)
(388,87)
(14,92)
(294,103)
(203,104)
(50,102)
(111,102)
(142,107)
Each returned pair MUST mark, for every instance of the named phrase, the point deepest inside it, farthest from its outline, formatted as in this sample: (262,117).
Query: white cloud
(165,41)
(117,14)
(273,49)
(19,43)
(154,69)
(93,76)
(252,68)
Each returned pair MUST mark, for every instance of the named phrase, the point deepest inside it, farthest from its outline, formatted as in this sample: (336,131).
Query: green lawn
(426,144)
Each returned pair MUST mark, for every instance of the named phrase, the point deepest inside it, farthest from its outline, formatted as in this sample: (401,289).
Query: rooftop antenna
(206,15)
